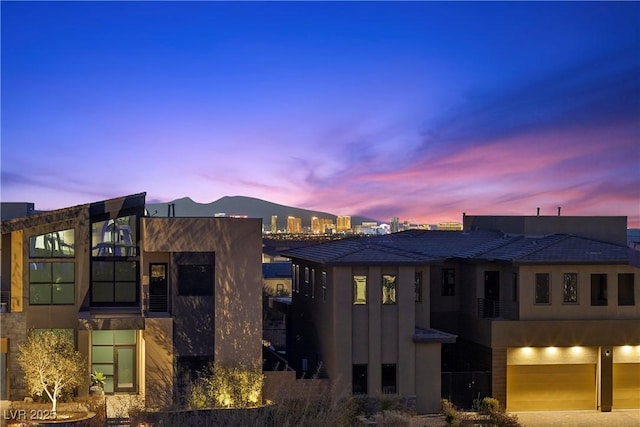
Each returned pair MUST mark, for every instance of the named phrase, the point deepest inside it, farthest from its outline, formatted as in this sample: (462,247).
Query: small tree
(51,364)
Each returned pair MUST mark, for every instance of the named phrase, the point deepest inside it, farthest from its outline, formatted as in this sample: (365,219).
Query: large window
(114,237)
(388,289)
(57,244)
(599,289)
(388,375)
(359,290)
(51,283)
(626,289)
(417,284)
(195,280)
(570,288)
(543,289)
(114,262)
(448,282)
(114,282)
(359,379)
(114,354)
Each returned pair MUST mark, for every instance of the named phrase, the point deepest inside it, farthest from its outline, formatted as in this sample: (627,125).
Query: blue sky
(421,110)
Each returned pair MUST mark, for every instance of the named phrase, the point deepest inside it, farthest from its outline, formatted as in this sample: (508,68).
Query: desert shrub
(451,415)
(490,406)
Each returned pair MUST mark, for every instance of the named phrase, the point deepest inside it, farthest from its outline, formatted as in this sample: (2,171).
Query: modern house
(547,305)
(147,299)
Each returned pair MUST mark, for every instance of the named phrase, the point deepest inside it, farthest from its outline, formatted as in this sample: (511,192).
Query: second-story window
(51,283)
(570,288)
(388,289)
(543,289)
(324,286)
(599,289)
(57,244)
(448,282)
(417,283)
(313,283)
(626,289)
(359,290)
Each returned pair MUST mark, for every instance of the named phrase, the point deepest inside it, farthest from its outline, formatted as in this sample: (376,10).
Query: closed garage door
(551,387)
(626,385)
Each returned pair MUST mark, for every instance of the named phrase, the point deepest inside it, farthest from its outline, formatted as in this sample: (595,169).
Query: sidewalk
(616,418)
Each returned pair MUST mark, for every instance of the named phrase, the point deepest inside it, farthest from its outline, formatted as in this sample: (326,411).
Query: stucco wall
(583,310)
(238,276)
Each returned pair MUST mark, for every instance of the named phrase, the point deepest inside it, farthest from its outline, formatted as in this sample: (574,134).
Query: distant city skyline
(415,110)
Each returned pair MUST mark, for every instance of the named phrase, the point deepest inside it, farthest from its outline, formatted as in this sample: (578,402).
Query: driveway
(619,418)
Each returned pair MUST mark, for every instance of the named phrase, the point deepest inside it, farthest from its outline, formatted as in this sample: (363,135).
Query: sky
(416,110)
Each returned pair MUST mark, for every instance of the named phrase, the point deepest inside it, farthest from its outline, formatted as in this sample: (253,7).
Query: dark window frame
(359,379)
(389,289)
(570,288)
(626,297)
(448,280)
(417,285)
(542,289)
(389,378)
(599,290)
(52,282)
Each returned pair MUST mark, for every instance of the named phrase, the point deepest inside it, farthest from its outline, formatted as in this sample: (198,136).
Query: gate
(462,388)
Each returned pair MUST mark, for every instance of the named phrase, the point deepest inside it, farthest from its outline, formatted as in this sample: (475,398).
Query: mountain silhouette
(241,205)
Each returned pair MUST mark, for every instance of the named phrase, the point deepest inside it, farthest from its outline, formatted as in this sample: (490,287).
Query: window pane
(105,369)
(359,289)
(418,287)
(102,354)
(359,379)
(39,246)
(599,289)
(448,282)
(102,271)
(542,288)
(40,293)
(626,289)
(570,288)
(66,243)
(40,272)
(102,337)
(125,367)
(388,289)
(100,239)
(125,292)
(125,337)
(102,292)
(125,271)
(63,272)
(388,378)
(63,293)
(108,384)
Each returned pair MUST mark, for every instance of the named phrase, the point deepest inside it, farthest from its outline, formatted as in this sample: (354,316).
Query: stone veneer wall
(13,326)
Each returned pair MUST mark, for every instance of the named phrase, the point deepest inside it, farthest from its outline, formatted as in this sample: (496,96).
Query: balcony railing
(5,300)
(157,303)
(491,309)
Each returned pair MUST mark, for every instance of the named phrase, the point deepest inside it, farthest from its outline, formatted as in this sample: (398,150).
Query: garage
(626,377)
(540,379)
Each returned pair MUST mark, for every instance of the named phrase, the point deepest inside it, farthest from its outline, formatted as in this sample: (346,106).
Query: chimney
(538,214)
(559,210)
(173,208)
(168,210)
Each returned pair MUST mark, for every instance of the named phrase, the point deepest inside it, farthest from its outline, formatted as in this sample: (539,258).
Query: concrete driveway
(619,418)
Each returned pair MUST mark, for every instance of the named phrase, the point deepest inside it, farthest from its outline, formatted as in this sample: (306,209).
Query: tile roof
(419,247)
(274,270)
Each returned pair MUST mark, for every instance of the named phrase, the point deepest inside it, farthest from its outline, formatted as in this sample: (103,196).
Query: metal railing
(157,303)
(491,309)
(5,301)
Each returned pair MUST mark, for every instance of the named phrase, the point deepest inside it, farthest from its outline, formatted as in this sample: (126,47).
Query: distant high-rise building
(395,225)
(294,224)
(321,225)
(451,226)
(274,223)
(344,223)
